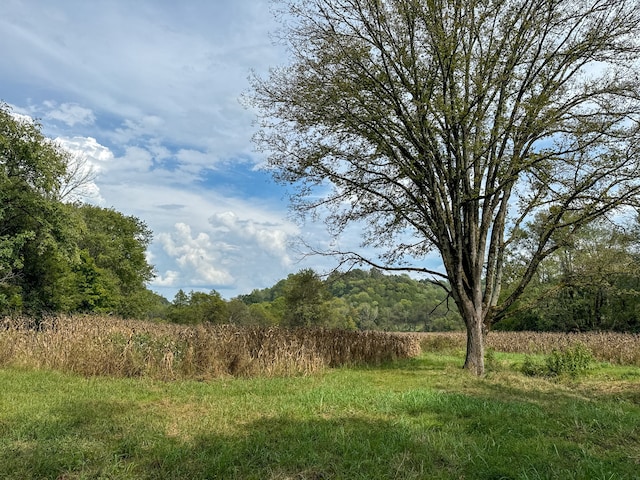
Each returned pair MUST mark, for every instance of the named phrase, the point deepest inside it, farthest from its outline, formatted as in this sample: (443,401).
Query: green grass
(418,419)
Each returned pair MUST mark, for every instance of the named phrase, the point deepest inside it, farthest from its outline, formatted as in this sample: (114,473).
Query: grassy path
(419,419)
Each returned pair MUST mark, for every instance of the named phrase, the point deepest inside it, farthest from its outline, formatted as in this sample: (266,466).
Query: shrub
(572,361)
(532,368)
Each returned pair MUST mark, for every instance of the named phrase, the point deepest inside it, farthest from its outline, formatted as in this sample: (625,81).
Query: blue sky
(148,92)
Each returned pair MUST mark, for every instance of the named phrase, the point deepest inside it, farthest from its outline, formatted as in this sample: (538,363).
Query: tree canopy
(62,257)
(592,283)
(449,126)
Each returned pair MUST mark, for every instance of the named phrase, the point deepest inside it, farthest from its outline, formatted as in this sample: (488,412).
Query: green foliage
(570,361)
(117,244)
(36,234)
(198,307)
(590,283)
(95,288)
(532,368)
(394,302)
(305,295)
(57,257)
(365,300)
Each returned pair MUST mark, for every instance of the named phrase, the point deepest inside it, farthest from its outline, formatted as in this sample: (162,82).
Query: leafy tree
(36,235)
(95,288)
(305,295)
(591,283)
(392,302)
(198,307)
(445,125)
(56,256)
(117,244)
(155,307)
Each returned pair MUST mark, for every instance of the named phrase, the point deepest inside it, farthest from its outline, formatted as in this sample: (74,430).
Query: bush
(572,361)
(532,368)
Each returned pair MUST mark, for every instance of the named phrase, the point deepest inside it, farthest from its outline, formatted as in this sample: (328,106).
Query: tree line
(357,299)
(590,284)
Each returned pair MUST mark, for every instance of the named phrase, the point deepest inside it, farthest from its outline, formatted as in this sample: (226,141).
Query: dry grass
(616,348)
(90,345)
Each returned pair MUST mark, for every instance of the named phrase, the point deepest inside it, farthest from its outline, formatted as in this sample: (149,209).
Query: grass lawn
(423,418)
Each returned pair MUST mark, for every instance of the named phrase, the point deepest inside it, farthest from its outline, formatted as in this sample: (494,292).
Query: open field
(404,416)
(421,418)
(94,398)
(90,345)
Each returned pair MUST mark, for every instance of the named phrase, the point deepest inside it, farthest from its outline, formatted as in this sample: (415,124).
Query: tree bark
(474,361)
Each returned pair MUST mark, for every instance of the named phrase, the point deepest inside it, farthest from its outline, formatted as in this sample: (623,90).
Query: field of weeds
(615,348)
(90,346)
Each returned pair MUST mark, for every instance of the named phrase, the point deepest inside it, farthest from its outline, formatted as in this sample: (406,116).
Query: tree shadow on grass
(98,440)
(283,448)
(80,439)
(440,437)
(420,434)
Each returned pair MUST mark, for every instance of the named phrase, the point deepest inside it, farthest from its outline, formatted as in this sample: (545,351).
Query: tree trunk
(474,361)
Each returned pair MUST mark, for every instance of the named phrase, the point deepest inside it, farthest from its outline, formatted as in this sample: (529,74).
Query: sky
(148,92)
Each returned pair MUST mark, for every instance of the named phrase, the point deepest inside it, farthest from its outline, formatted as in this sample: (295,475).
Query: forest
(63,257)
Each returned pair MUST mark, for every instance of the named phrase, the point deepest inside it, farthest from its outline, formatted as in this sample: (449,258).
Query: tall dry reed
(90,345)
(618,348)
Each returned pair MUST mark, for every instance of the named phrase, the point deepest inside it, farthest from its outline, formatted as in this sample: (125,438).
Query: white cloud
(148,92)
(198,257)
(99,155)
(70,113)
(269,238)
(136,159)
(133,129)
(173,70)
(231,253)
(21,115)
(170,278)
(92,159)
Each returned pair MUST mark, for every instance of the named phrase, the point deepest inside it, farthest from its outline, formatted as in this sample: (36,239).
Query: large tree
(447,124)
(33,227)
(56,256)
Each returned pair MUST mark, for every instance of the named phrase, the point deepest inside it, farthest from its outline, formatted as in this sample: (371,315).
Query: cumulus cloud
(137,159)
(21,115)
(89,159)
(269,238)
(170,278)
(231,253)
(197,256)
(148,92)
(99,155)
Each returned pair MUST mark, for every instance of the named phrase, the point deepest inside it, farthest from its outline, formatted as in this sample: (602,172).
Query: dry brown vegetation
(92,345)
(617,348)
